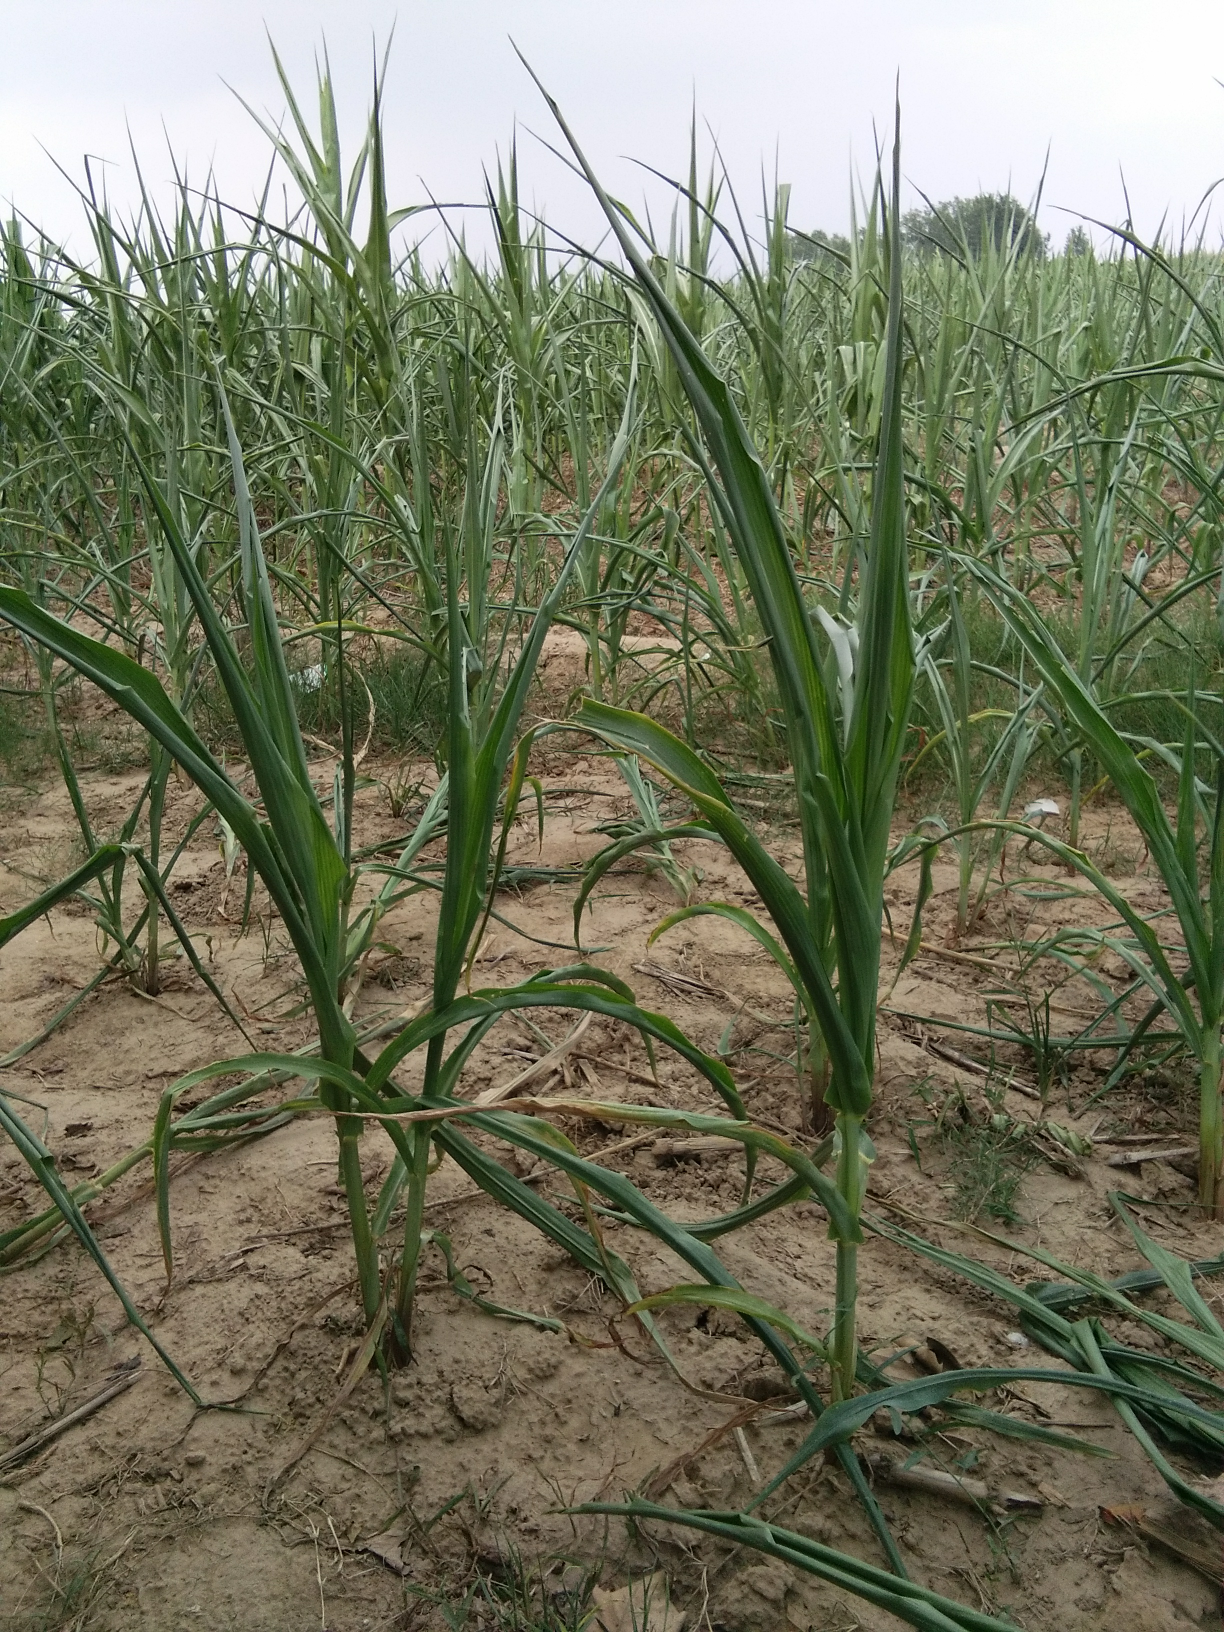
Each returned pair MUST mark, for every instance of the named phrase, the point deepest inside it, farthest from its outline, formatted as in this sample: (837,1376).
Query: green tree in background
(819,246)
(968,225)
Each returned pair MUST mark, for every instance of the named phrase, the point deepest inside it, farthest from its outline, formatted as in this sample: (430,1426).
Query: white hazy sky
(1112,88)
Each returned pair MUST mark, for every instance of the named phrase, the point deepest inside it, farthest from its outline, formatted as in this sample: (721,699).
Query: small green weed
(23,735)
(988,1156)
(73,1595)
(1149,681)
(407,693)
(111,746)
(514,1596)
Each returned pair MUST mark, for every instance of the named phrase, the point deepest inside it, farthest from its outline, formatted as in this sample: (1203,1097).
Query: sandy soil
(150,1515)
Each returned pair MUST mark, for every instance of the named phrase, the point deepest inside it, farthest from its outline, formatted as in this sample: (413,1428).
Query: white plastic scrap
(1040,809)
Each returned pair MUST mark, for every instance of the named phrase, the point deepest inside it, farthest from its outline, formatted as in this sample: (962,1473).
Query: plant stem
(819,1074)
(157,801)
(844,1333)
(415,1213)
(349,1129)
(1211,1125)
(596,670)
(1073,803)
(336,1039)
(965,848)
(850,1173)
(410,1262)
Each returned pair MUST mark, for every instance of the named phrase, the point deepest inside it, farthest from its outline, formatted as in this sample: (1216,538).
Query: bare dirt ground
(150,1515)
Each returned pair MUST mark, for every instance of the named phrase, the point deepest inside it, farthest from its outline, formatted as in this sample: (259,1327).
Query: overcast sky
(1124,89)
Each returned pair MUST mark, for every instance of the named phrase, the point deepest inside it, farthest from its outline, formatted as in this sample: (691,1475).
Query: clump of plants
(988,1154)
(282,499)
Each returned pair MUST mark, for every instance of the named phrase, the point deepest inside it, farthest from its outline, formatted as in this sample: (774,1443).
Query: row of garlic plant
(264,444)
(394,422)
